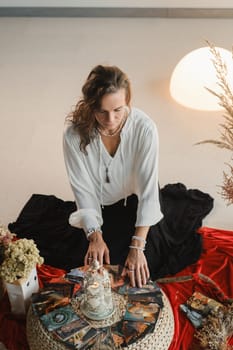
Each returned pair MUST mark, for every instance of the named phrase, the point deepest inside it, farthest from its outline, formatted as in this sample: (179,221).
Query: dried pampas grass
(225,141)
(218,327)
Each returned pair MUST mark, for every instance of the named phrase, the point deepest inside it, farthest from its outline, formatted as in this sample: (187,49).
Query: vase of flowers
(18,271)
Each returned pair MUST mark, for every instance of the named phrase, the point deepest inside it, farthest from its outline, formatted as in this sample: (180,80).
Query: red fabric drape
(216,262)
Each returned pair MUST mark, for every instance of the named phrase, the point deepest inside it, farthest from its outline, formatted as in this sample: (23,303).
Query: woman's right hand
(97,250)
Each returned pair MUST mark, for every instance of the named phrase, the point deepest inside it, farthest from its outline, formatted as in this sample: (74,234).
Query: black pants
(172,244)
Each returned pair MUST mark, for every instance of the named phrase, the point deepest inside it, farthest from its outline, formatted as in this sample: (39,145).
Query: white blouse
(132,170)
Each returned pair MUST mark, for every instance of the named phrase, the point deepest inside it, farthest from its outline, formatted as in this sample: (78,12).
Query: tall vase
(20,292)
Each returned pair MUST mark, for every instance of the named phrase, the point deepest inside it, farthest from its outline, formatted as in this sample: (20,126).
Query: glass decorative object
(97,303)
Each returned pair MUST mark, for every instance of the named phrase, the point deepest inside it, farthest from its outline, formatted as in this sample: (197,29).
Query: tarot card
(63,288)
(143,312)
(125,333)
(46,301)
(203,304)
(136,330)
(198,307)
(114,272)
(66,331)
(64,285)
(117,331)
(104,341)
(150,287)
(84,338)
(59,317)
(75,275)
(147,298)
(114,269)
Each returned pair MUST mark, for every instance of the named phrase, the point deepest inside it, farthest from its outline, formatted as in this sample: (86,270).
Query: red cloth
(216,262)
(13,328)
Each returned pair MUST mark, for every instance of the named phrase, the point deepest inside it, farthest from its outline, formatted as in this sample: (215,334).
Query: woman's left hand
(136,268)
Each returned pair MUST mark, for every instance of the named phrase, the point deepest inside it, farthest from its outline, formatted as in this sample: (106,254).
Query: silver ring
(126,267)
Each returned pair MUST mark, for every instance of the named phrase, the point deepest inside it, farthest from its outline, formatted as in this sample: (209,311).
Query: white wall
(119,3)
(43,64)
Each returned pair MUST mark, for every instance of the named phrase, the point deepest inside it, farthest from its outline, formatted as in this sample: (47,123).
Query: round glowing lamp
(194,73)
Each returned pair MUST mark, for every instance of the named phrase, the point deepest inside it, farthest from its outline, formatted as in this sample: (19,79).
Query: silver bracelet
(138,248)
(139,239)
(93,230)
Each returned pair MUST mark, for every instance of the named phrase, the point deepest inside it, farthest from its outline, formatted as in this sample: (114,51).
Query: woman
(111,156)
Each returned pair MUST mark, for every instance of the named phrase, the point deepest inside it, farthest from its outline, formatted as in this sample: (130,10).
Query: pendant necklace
(107,177)
(117,131)
(105,165)
(110,134)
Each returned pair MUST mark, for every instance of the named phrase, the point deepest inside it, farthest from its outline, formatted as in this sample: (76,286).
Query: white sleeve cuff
(86,219)
(148,214)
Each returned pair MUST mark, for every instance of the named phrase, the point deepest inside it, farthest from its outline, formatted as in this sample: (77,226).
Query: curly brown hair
(101,80)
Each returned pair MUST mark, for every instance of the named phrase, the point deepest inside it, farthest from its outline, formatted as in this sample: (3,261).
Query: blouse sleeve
(88,215)
(148,212)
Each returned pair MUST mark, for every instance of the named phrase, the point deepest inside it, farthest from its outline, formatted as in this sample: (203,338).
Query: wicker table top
(160,338)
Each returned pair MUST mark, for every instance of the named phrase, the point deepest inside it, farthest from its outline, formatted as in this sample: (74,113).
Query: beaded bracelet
(138,248)
(93,230)
(139,239)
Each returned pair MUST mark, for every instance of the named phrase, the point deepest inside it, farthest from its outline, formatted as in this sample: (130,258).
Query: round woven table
(160,339)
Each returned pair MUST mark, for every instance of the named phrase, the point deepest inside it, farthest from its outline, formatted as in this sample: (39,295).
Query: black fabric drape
(44,218)
(172,244)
